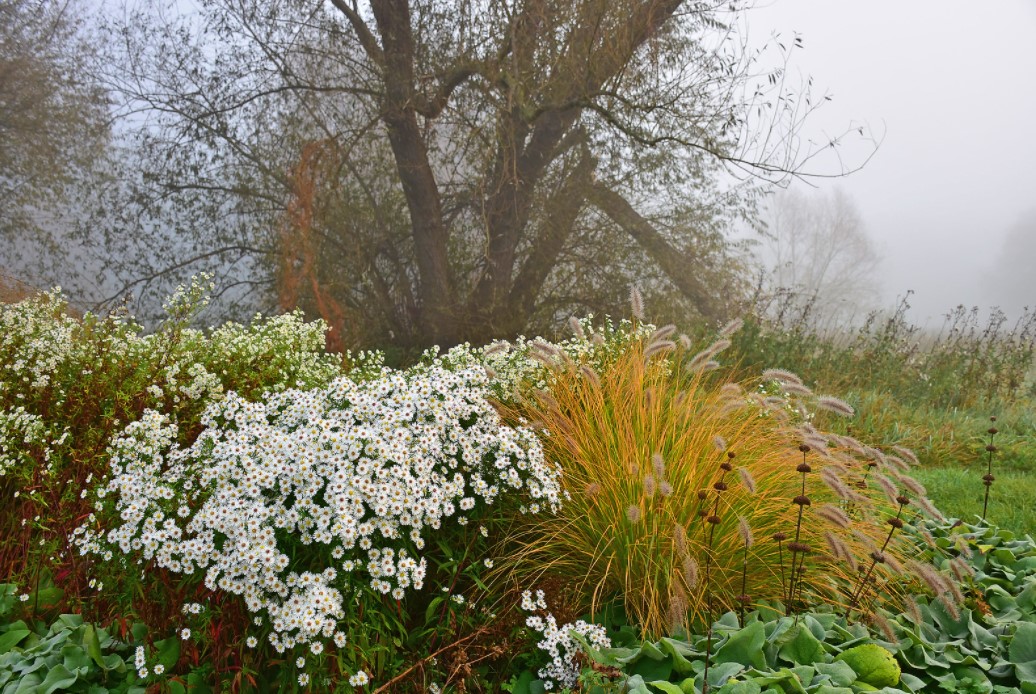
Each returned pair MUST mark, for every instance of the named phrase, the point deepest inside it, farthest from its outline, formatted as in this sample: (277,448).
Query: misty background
(940,201)
(949,197)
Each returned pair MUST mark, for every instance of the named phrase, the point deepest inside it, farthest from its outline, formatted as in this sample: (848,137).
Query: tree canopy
(424,171)
(53,116)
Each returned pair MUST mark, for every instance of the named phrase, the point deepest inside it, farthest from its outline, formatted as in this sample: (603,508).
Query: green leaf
(666,687)
(168,651)
(840,673)
(521,685)
(76,659)
(803,648)
(429,612)
(1025,672)
(1023,645)
(720,673)
(651,669)
(680,651)
(138,631)
(740,687)
(12,639)
(744,646)
(59,677)
(197,684)
(28,684)
(92,644)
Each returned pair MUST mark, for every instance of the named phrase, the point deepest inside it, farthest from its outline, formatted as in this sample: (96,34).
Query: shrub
(68,385)
(316,506)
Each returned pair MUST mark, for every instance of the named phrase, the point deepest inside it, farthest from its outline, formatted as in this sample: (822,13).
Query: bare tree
(445,171)
(1011,282)
(53,117)
(816,251)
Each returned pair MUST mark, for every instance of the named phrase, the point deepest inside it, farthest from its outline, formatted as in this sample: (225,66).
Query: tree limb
(363,33)
(677,265)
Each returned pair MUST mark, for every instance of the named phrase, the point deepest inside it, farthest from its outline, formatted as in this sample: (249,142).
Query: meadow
(752,508)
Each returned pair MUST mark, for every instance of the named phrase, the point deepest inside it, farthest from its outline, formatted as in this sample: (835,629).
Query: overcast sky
(952,85)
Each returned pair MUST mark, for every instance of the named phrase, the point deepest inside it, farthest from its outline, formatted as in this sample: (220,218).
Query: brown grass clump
(670,470)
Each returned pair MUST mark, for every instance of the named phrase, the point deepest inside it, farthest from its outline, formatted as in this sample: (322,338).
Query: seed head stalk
(746,537)
(797,547)
(720,486)
(878,557)
(988,478)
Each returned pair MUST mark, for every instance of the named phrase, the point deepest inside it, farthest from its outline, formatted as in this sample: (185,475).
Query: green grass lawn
(958,492)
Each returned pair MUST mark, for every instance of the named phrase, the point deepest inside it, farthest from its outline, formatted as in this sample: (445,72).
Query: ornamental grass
(668,469)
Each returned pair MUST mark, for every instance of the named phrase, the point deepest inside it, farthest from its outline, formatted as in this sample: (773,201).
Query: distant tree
(430,171)
(816,253)
(53,116)
(1011,282)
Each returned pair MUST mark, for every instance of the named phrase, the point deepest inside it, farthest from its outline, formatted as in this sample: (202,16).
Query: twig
(388,685)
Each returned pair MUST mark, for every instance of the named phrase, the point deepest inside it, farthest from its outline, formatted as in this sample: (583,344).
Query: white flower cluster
(46,354)
(563,669)
(35,339)
(283,500)
(18,430)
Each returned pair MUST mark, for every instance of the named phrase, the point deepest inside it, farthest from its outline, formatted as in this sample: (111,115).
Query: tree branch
(677,266)
(363,33)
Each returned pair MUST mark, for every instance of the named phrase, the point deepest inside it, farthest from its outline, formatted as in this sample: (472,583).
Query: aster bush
(312,505)
(68,386)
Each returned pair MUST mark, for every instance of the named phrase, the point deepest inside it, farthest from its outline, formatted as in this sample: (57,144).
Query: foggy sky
(952,85)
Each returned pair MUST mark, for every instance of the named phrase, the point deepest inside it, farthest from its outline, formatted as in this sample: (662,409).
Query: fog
(948,86)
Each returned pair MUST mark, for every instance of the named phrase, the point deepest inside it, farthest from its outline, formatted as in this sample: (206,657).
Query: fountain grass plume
(651,463)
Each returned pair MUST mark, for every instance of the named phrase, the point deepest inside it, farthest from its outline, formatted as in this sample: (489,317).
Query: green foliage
(965,364)
(71,388)
(872,664)
(985,644)
(66,655)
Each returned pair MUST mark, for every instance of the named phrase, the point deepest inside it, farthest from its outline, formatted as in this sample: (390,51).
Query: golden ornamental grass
(653,518)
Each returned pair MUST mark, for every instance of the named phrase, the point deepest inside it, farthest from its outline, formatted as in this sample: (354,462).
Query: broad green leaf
(70,621)
(666,687)
(58,678)
(76,659)
(740,687)
(803,648)
(197,684)
(521,685)
(1025,672)
(1023,645)
(722,672)
(28,684)
(652,669)
(840,673)
(12,639)
(92,644)
(679,651)
(744,646)
(168,651)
